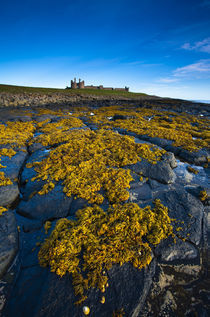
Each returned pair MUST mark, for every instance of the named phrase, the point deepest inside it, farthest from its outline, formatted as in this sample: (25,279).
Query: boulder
(13,164)
(8,194)
(187,210)
(8,240)
(54,204)
(199,158)
(34,147)
(161,171)
(41,293)
(77,203)
(140,192)
(169,251)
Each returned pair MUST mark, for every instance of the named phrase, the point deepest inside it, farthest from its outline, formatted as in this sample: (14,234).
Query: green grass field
(21,89)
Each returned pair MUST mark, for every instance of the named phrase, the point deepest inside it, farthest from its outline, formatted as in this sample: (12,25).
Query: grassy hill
(22,89)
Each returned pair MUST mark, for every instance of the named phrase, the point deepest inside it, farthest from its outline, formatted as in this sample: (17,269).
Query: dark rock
(200,157)
(43,294)
(44,117)
(162,171)
(13,164)
(187,210)
(170,159)
(140,192)
(169,251)
(8,194)
(194,190)
(54,204)
(29,173)
(32,225)
(120,117)
(25,297)
(34,147)
(155,185)
(77,204)
(8,240)
(31,188)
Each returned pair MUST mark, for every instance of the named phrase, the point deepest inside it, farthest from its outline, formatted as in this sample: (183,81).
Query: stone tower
(81,84)
(73,84)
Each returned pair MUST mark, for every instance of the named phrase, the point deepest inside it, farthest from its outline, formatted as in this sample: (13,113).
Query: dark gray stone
(43,294)
(170,159)
(29,173)
(8,240)
(13,164)
(161,171)
(187,210)
(169,251)
(34,147)
(55,204)
(140,192)
(155,185)
(200,157)
(8,194)
(77,204)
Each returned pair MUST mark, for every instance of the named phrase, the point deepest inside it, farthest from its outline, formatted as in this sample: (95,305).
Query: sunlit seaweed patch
(203,195)
(2,210)
(4,181)
(90,245)
(14,134)
(192,170)
(92,161)
(186,131)
(56,132)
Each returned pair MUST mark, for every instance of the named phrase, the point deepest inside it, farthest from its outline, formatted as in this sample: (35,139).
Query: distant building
(81,85)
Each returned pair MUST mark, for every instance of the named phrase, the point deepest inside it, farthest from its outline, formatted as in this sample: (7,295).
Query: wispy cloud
(167,80)
(202,46)
(198,69)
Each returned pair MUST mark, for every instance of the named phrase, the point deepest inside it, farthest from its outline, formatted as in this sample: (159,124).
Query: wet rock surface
(8,240)
(35,291)
(8,194)
(53,205)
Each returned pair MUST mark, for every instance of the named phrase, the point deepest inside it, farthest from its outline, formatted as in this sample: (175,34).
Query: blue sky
(160,47)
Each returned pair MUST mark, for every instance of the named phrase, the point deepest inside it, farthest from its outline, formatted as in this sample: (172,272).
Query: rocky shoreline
(167,286)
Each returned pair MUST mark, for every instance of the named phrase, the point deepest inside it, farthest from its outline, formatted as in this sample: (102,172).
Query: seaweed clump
(2,210)
(184,130)
(14,135)
(90,245)
(56,132)
(90,162)
(192,170)
(203,195)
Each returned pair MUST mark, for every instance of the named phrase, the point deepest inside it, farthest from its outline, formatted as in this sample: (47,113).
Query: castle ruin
(81,85)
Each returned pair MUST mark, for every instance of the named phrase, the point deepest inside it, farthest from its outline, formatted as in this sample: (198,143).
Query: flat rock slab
(161,172)
(53,205)
(29,187)
(188,212)
(43,294)
(141,192)
(8,240)
(35,147)
(13,164)
(169,251)
(8,194)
